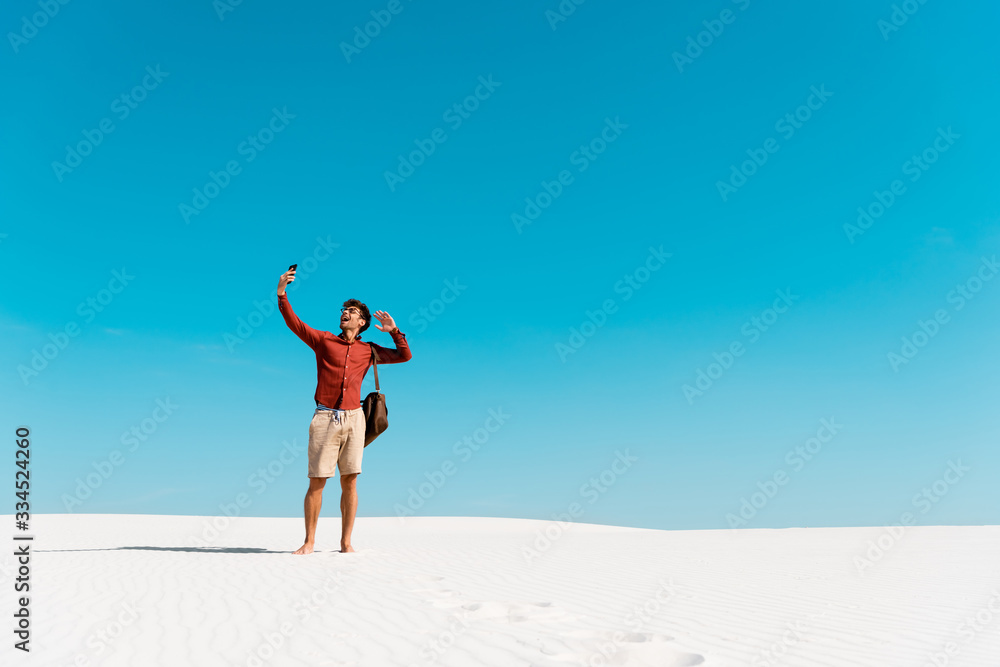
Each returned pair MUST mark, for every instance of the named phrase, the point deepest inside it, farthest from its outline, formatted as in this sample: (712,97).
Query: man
(337,430)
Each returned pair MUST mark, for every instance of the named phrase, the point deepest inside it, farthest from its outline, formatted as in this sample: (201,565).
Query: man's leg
(312,505)
(348,508)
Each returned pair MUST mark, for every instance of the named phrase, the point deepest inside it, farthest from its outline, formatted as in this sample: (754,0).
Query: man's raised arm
(309,336)
(402,351)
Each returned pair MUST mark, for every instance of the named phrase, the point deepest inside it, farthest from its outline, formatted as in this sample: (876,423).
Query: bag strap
(375,364)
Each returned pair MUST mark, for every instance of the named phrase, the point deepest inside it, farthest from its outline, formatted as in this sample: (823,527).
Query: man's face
(350,318)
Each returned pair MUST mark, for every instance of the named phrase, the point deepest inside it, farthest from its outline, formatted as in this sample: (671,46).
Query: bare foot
(346,548)
(306,548)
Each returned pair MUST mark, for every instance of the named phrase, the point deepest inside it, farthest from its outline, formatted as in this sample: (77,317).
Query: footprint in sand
(649,648)
(511,612)
(551,632)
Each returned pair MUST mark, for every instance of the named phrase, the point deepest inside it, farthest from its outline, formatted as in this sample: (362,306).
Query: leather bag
(376,414)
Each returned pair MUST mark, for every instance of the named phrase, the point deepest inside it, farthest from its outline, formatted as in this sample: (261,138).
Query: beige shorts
(336,442)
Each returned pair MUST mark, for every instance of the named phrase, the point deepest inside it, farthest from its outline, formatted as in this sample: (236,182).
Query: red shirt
(341,366)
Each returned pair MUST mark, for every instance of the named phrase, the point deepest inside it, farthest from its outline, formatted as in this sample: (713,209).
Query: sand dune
(142,591)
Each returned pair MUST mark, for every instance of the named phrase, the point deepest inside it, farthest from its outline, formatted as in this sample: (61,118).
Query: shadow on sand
(197,550)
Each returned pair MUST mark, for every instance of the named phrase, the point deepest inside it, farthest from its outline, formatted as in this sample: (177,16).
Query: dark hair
(365,315)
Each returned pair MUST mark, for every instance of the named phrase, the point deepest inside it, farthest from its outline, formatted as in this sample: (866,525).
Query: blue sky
(308,135)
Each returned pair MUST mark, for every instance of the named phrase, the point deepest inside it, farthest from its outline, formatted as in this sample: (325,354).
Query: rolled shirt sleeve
(394,356)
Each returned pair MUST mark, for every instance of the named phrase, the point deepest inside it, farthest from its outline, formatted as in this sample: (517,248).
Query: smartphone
(292,267)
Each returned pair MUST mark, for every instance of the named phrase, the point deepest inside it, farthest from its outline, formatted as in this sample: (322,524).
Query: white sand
(460,592)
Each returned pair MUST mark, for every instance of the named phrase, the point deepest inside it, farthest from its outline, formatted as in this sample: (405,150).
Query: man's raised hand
(286,277)
(386,323)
